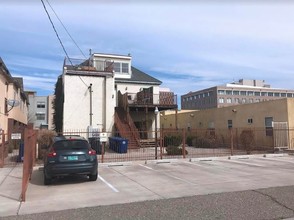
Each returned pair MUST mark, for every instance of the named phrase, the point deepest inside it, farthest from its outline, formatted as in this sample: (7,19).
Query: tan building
(241,92)
(13,101)
(263,117)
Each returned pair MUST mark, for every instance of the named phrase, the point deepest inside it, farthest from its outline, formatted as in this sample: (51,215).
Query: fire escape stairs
(123,125)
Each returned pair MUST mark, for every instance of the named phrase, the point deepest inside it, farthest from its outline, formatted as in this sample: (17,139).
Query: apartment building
(13,101)
(40,110)
(242,92)
(105,90)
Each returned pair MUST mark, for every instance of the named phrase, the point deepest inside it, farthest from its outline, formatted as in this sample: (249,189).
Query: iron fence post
(232,141)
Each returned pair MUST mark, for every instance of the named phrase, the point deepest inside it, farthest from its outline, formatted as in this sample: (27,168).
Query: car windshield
(70,144)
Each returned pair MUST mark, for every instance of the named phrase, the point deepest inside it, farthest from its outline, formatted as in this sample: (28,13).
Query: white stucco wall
(76,114)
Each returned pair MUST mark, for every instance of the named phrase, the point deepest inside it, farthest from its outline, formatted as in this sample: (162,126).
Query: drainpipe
(91,113)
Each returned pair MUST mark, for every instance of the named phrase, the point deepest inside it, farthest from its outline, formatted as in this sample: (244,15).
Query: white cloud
(195,43)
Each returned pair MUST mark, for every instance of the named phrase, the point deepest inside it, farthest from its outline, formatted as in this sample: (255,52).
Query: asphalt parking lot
(121,183)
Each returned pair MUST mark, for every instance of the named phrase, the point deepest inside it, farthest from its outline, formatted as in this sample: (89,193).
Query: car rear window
(71,144)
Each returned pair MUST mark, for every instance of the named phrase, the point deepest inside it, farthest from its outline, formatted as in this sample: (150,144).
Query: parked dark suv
(70,155)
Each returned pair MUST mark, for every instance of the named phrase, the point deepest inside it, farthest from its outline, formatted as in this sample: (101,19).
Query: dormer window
(121,67)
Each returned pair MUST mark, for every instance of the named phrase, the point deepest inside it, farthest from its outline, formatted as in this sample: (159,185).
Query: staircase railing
(119,124)
(133,129)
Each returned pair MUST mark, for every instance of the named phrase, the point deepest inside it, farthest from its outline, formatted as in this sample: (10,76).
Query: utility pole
(91,113)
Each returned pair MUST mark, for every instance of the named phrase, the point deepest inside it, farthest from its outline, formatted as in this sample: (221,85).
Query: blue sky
(188,45)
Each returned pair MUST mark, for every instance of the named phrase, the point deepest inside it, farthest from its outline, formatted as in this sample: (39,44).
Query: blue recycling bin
(118,144)
(20,153)
(122,145)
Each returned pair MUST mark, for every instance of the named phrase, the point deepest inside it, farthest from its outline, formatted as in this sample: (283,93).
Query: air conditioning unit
(93,132)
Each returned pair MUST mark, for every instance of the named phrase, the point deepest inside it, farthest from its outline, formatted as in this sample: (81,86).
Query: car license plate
(72,158)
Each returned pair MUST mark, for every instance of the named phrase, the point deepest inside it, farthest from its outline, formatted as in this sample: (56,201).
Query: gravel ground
(270,203)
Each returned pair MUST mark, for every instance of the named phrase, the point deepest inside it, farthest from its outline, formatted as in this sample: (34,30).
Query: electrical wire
(66,29)
(44,6)
(56,32)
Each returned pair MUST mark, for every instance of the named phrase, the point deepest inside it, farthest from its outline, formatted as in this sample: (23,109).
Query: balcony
(80,67)
(163,100)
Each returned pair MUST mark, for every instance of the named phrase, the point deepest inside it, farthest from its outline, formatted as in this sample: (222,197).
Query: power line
(56,32)
(59,38)
(65,29)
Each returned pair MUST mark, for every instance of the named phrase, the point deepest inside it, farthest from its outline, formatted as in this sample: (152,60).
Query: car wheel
(93,177)
(47,181)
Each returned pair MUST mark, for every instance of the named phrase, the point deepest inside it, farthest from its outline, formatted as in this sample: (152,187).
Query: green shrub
(10,147)
(189,140)
(175,150)
(45,138)
(247,139)
(172,140)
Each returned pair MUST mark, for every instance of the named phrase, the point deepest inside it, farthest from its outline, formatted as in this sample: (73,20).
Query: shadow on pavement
(38,179)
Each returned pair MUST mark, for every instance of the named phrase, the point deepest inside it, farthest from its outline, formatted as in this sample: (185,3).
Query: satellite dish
(13,103)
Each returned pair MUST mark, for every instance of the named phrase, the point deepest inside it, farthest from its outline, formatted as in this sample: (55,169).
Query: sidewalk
(10,189)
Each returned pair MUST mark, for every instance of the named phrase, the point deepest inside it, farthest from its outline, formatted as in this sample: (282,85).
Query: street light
(156,113)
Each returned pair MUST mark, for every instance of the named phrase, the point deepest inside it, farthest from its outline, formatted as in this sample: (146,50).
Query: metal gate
(11,148)
(281,135)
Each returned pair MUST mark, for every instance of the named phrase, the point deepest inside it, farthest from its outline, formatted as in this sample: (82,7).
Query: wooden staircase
(126,128)
(145,143)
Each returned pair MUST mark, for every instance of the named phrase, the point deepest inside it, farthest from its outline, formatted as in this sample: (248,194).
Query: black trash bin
(96,145)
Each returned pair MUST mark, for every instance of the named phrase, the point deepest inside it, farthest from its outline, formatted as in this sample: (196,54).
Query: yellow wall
(19,113)
(3,117)
(282,110)
(239,114)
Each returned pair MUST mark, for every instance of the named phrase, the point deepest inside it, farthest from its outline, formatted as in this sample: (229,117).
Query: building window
(230,123)
(228,92)
(119,67)
(283,94)
(243,93)
(250,100)
(40,104)
(250,93)
(236,92)
(221,100)
(237,100)
(257,93)
(250,120)
(243,101)
(221,92)
(268,121)
(116,67)
(257,100)
(270,94)
(125,68)
(40,116)
(289,95)
(263,93)
(277,94)
(229,100)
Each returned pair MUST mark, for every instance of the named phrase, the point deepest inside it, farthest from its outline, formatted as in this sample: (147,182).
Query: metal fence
(10,150)
(184,143)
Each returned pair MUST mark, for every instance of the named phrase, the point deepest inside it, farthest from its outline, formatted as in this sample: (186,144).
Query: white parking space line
(280,159)
(107,183)
(247,163)
(149,168)
(166,174)
(196,163)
